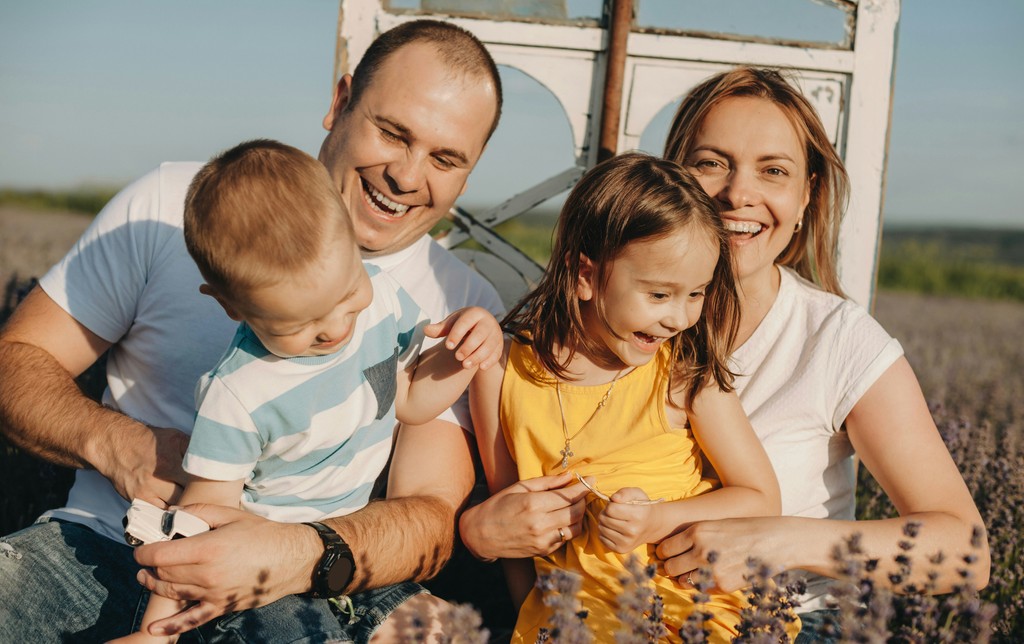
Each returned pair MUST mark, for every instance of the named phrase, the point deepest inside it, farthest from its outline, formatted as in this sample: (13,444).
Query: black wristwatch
(337,566)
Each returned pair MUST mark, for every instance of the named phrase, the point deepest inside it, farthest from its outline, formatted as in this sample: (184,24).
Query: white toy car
(146,523)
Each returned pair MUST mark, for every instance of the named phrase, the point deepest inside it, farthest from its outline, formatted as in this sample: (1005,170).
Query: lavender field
(968,355)
(969,358)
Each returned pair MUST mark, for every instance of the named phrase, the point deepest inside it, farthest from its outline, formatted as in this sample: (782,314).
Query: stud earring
(799,226)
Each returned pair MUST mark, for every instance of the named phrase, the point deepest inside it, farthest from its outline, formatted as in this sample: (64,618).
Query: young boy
(297,418)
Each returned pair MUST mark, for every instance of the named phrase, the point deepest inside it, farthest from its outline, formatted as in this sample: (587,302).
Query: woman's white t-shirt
(799,375)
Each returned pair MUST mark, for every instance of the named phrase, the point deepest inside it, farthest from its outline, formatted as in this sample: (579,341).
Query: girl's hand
(473,334)
(623,526)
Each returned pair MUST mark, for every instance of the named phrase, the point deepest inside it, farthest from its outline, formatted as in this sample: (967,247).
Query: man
(404,133)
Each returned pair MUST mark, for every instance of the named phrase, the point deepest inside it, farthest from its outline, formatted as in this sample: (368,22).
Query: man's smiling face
(401,155)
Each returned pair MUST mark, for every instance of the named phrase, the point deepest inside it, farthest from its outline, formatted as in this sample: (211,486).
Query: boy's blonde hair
(259,212)
(628,198)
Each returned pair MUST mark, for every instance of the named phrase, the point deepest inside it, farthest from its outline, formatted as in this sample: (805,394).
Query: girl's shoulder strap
(524,362)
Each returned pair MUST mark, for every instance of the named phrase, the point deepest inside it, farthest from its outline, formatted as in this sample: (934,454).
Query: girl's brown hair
(813,251)
(628,198)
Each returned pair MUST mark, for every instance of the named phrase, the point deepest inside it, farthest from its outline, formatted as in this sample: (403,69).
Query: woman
(818,377)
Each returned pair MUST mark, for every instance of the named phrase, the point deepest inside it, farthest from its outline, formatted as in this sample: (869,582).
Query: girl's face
(749,157)
(655,290)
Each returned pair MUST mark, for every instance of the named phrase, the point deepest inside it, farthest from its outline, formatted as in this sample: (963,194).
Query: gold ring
(561,534)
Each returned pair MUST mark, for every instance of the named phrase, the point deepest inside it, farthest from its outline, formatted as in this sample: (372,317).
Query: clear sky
(101,91)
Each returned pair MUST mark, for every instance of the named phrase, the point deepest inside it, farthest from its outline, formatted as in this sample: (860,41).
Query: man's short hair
(260,212)
(458,48)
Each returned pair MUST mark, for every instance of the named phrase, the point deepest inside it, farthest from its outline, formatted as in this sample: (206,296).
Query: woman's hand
(524,519)
(734,542)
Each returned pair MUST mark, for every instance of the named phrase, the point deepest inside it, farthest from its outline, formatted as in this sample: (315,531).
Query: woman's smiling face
(749,157)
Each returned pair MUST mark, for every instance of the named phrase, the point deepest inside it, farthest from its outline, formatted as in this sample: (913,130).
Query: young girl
(612,373)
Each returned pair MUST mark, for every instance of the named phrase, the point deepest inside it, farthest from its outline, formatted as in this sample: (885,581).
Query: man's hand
(244,562)
(473,334)
(624,523)
(147,466)
(523,519)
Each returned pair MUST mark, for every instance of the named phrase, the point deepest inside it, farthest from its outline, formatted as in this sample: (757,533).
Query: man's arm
(410,534)
(42,410)
(248,561)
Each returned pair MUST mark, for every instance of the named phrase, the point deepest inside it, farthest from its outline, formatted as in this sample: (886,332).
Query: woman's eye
(659,296)
(707,164)
(696,295)
(776,172)
(389,135)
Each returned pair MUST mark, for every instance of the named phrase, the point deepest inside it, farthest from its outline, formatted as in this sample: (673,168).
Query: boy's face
(402,154)
(314,311)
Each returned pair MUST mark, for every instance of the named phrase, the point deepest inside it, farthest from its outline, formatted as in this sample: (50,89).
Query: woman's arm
(896,438)
(749,486)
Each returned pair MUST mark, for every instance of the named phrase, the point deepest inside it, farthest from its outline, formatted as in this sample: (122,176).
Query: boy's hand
(473,333)
(623,523)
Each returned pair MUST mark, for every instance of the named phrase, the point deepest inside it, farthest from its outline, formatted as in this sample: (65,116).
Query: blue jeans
(62,582)
(811,625)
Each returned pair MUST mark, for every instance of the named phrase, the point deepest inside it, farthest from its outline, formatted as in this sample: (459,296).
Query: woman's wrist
(798,543)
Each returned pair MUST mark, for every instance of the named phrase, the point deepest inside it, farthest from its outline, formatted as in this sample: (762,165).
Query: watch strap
(335,550)
(328,536)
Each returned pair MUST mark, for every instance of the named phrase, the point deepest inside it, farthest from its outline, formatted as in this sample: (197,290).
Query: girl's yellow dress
(628,443)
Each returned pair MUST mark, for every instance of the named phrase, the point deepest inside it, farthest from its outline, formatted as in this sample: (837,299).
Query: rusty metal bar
(618,35)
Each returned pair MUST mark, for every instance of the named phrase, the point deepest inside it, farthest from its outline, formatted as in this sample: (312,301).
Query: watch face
(340,573)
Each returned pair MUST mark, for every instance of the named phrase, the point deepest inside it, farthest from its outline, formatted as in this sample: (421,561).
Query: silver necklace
(566,451)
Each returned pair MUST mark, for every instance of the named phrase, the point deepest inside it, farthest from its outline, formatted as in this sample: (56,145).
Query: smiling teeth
(394,206)
(743,226)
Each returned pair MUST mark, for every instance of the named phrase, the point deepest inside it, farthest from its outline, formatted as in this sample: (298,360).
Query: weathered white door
(561,45)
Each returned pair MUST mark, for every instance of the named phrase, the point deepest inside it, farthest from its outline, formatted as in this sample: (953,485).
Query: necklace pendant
(566,454)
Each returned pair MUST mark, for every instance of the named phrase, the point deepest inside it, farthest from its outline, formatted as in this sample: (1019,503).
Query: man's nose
(406,173)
